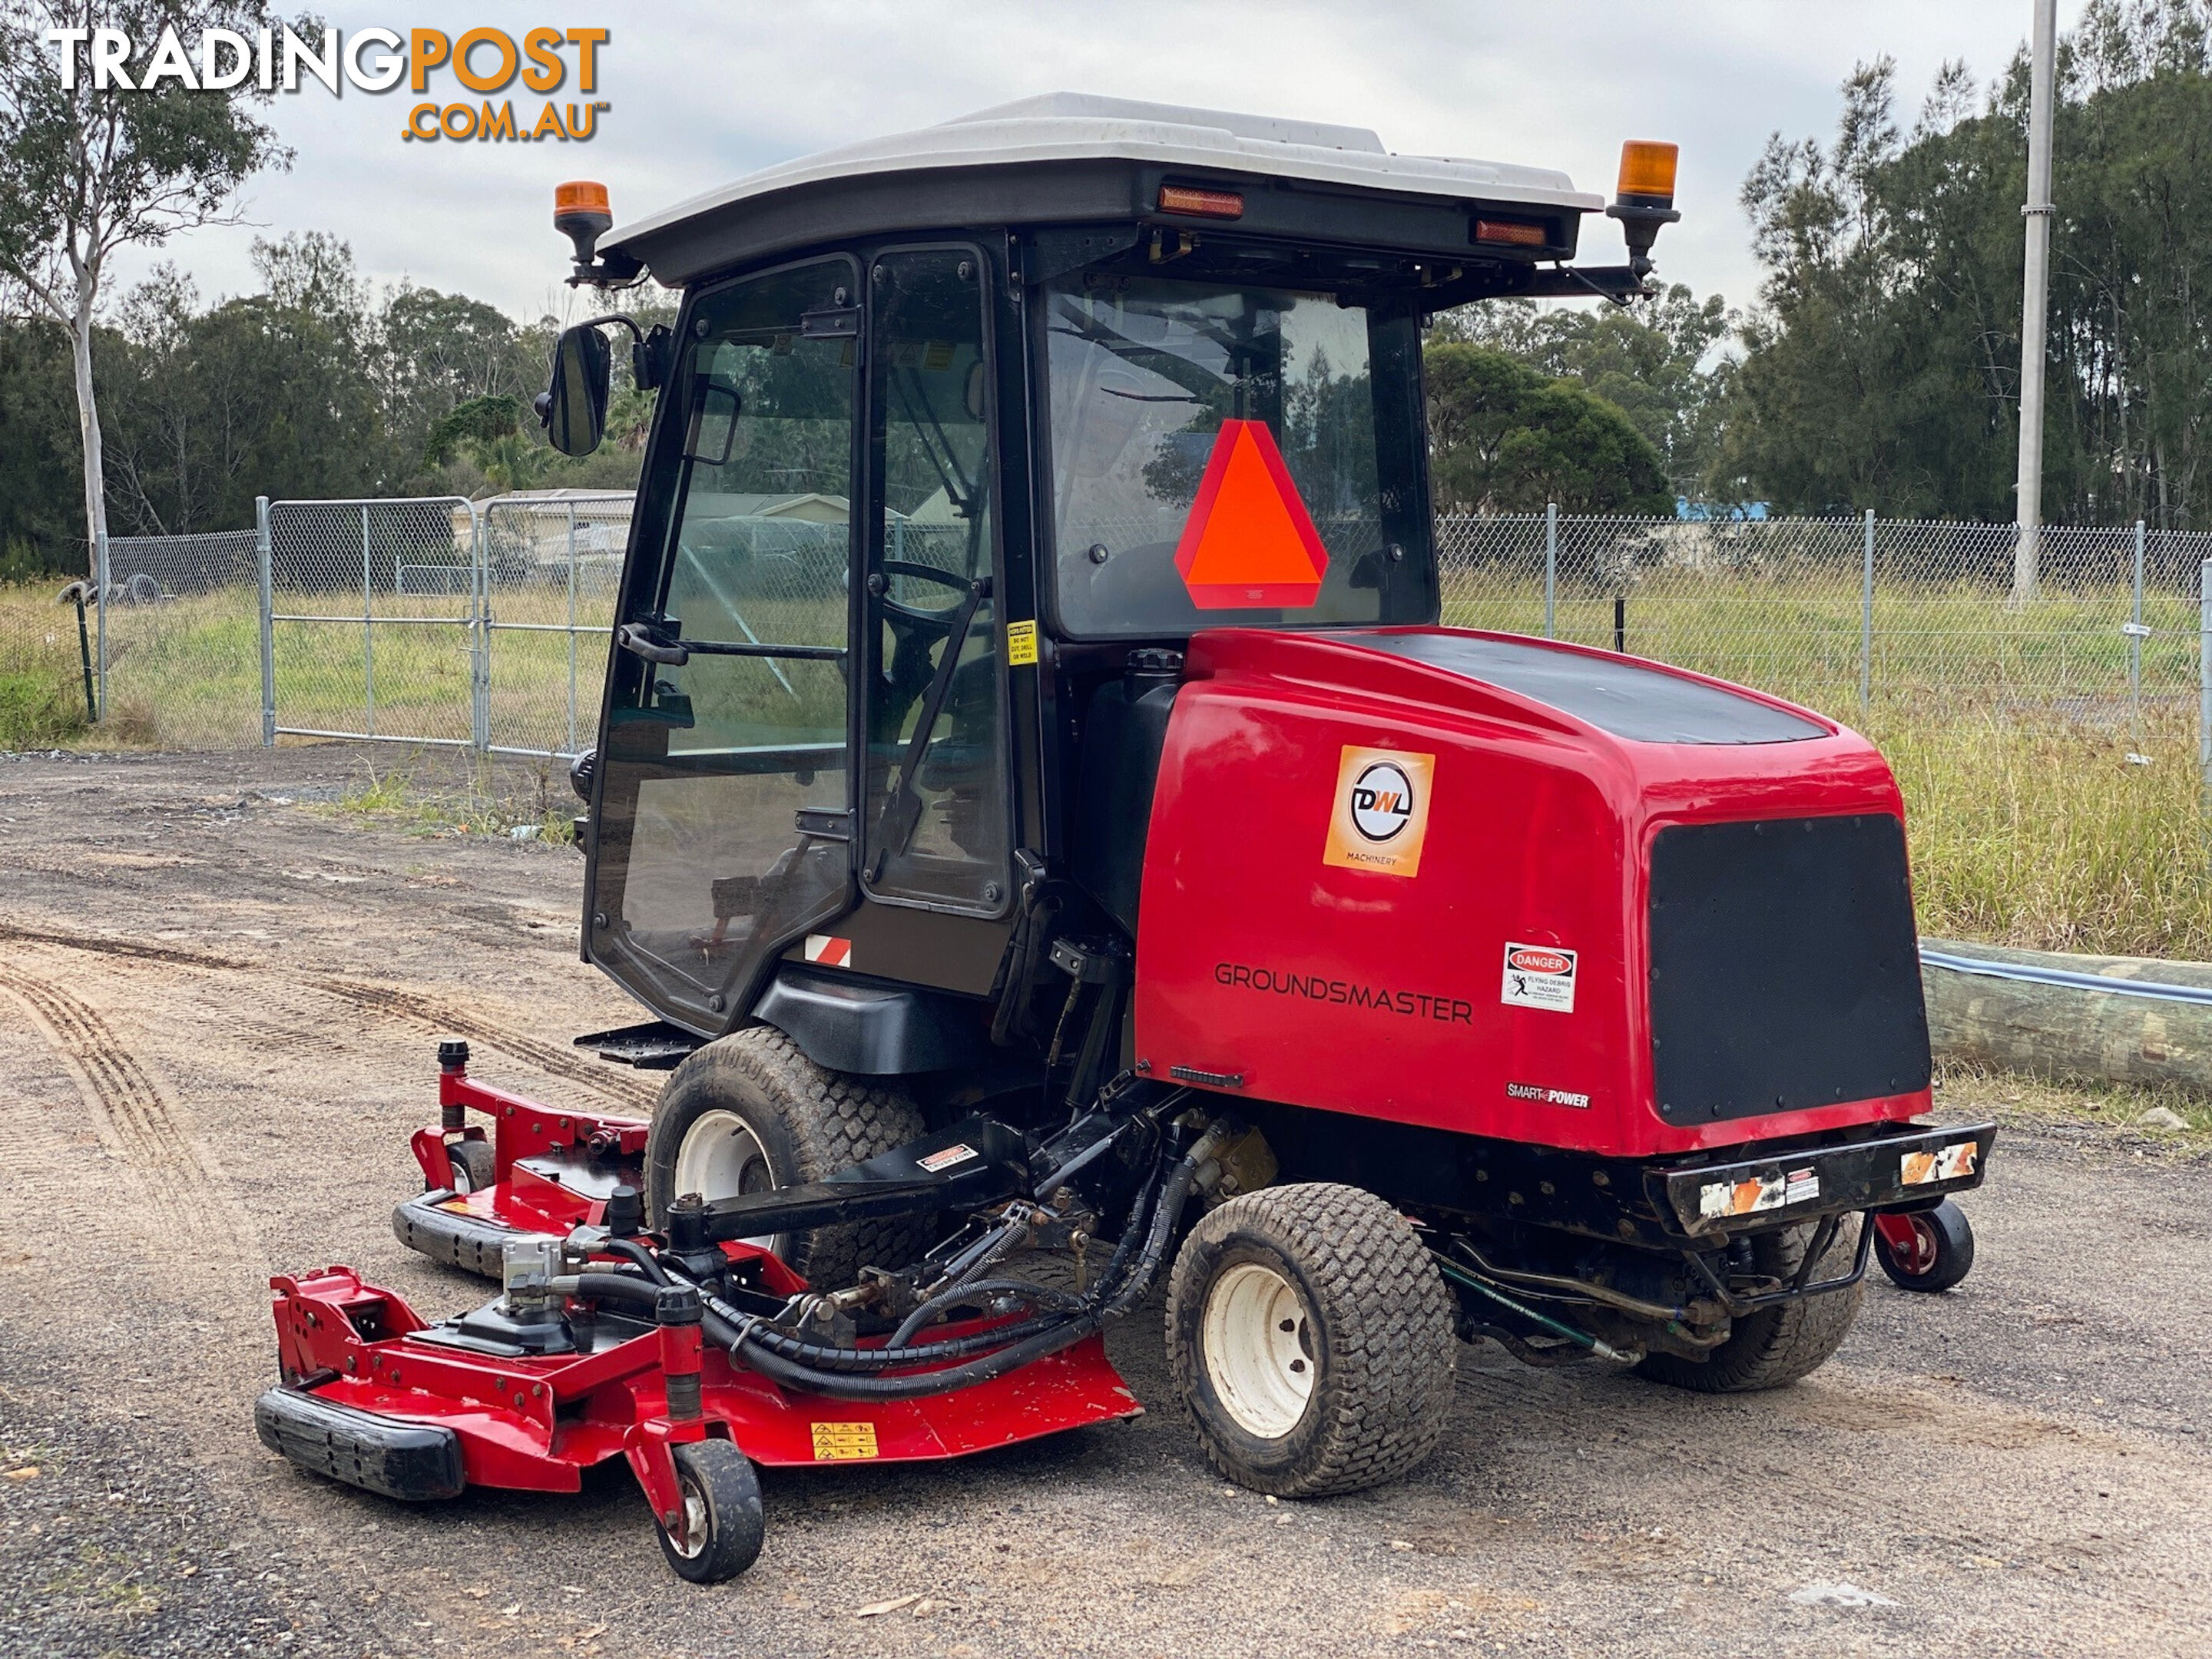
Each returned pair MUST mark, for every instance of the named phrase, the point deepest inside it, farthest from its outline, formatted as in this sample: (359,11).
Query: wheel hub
(1257,1342)
(720,1157)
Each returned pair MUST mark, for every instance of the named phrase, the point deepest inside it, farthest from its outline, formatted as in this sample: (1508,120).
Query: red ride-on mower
(1062,851)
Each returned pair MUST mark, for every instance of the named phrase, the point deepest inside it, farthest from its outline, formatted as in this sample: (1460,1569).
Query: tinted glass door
(935,808)
(723,822)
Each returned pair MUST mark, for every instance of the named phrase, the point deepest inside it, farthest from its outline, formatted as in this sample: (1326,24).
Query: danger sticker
(1801,1185)
(1380,817)
(947,1158)
(1945,1163)
(1021,644)
(1546,1096)
(836,1442)
(1539,976)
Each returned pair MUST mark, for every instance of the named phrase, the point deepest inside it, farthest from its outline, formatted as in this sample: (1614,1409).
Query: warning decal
(1380,817)
(835,1442)
(1539,976)
(1021,644)
(1249,540)
(1952,1163)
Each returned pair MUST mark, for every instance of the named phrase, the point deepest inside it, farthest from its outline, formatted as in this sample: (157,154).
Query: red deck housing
(1323,984)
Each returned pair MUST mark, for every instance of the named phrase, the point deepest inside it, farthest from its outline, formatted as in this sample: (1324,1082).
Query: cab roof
(1073,158)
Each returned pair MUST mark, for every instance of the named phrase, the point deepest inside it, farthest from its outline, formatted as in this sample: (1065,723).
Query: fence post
(1866,621)
(1551,564)
(2204,687)
(571,627)
(368,633)
(99,576)
(263,558)
(480,693)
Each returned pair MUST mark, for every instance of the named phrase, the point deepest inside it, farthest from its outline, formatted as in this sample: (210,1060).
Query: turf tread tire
(1387,1344)
(1775,1346)
(811,1122)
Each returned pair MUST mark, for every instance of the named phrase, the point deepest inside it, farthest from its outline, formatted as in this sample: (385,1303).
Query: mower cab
(1034,792)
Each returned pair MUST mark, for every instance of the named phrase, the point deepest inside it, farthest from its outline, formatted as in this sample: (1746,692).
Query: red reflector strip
(1504,230)
(1204,203)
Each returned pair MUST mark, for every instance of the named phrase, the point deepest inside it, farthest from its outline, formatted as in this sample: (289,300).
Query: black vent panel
(1785,973)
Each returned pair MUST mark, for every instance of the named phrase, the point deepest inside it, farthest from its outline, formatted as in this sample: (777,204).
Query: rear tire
(1942,1252)
(1775,1346)
(719,1535)
(750,1113)
(1313,1339)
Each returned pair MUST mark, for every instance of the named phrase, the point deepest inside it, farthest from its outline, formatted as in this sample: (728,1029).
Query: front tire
(719,1534)
(1313,1339)
(470,1165)
(750,1113)
(1777,1345)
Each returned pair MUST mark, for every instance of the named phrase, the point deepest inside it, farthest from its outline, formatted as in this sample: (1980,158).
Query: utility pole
(2035,302)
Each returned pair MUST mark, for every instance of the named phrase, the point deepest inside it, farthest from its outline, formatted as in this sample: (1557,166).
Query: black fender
(872,1029)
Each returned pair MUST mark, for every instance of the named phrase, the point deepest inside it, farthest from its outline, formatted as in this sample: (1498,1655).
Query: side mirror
(575,409)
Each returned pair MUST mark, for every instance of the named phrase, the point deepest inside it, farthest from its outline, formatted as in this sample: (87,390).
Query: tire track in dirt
(132,1112)
(413,1006)
(447,1020)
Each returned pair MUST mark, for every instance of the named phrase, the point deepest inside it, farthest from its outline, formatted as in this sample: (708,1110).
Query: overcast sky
(706,90)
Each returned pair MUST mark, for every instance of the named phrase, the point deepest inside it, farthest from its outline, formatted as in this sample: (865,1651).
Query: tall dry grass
(2008,732)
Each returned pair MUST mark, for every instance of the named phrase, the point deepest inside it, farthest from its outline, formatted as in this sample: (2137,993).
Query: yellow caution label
(1021,644)
(835,1443)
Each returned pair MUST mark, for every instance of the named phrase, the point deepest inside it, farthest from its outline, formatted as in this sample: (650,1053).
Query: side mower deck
(376,1397)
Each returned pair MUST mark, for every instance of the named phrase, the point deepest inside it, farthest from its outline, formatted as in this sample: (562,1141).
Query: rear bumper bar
(415,1462)
(1894,1172)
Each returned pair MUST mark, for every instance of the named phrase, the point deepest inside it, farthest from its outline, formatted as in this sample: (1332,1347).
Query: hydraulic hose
(634,1252)
(1114,1301)
(1066,1302)
(617,1287)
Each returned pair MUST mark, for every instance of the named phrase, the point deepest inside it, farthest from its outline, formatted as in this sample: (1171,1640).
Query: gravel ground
(218,1005)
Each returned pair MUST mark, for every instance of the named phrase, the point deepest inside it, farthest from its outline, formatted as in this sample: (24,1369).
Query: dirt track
(217,1019)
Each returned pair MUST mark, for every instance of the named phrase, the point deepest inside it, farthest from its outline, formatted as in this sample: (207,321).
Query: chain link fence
(437,621)
(1860,619)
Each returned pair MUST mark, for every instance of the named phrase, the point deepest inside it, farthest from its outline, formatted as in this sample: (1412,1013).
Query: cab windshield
(1144,374)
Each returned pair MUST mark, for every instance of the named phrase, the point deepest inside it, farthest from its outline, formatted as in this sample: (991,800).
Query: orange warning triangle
(1249,541)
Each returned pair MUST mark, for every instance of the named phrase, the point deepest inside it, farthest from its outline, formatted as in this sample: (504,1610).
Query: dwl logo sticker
(1381,814)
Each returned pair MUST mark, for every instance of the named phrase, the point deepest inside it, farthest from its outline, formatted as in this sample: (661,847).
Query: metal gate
(434,620)
(372,620)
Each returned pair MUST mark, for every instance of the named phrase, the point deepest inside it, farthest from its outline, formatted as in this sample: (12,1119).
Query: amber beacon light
(581,214)
(1644,199)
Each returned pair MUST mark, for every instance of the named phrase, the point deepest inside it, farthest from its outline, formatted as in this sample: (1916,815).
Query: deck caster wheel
(1928,1250)
(1313,1339)
(472,1166)
(719,1534)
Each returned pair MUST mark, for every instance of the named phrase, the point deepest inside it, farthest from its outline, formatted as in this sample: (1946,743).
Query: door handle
(640,643)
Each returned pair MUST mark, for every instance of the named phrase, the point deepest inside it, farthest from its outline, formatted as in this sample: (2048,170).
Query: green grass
(2008,732)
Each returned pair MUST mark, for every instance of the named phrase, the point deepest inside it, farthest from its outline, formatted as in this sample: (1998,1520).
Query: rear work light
(1201,204)
(1510,234)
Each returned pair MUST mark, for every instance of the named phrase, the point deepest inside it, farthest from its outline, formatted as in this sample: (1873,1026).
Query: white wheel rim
(720,1157)
(1256,1338)
(692,1540)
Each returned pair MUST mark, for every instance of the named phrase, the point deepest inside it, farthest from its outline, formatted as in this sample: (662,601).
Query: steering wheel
(928,621)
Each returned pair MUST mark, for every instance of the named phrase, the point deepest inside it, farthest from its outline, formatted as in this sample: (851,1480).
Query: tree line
(1876,366)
